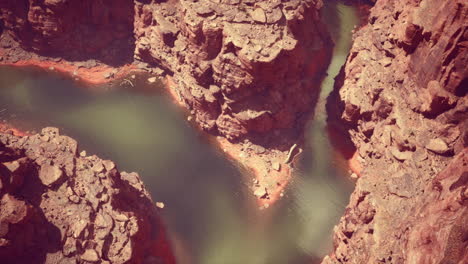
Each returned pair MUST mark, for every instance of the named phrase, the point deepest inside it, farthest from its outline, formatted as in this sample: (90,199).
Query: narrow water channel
(210,215)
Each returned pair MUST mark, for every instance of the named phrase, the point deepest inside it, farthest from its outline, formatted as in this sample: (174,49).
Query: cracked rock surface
(241,67)
(248,72)
(401,99)
(58,207)
(76,30)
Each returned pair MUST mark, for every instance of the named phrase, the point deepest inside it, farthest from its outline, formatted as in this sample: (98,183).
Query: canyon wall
(58,206)
(244,68)
(75,30)
(401,100)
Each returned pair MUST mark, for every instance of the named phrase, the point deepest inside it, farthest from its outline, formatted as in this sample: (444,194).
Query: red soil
(346,149)
(7,128)
(89,76)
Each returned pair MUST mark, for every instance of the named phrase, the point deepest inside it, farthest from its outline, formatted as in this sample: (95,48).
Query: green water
(209,213)
(323,189)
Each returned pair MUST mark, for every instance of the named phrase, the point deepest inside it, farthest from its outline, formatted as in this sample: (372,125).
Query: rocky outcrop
(60,207)
(401,99)
(242,67)
(248,71)
(76,30)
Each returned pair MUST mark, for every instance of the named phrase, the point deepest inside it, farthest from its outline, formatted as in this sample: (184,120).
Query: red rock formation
(242,67)
(58,207)
(401,99)
(82,29)
(91,41)
(440,230)
(248,71)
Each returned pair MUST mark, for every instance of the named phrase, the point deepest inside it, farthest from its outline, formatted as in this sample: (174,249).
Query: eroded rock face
(73,29)
(58,207)
(248,72)
(242,67)
(401,99)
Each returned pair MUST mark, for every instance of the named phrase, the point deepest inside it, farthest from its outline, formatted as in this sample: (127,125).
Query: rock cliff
(74,30)
(242,67)
(61,207)
(401,100)
(248,72)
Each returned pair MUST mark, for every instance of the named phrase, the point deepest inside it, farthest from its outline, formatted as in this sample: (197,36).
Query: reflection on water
(210,215)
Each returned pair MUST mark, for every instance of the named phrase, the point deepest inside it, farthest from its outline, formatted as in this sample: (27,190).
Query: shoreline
(233,152)
(96,75)
(273,181)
